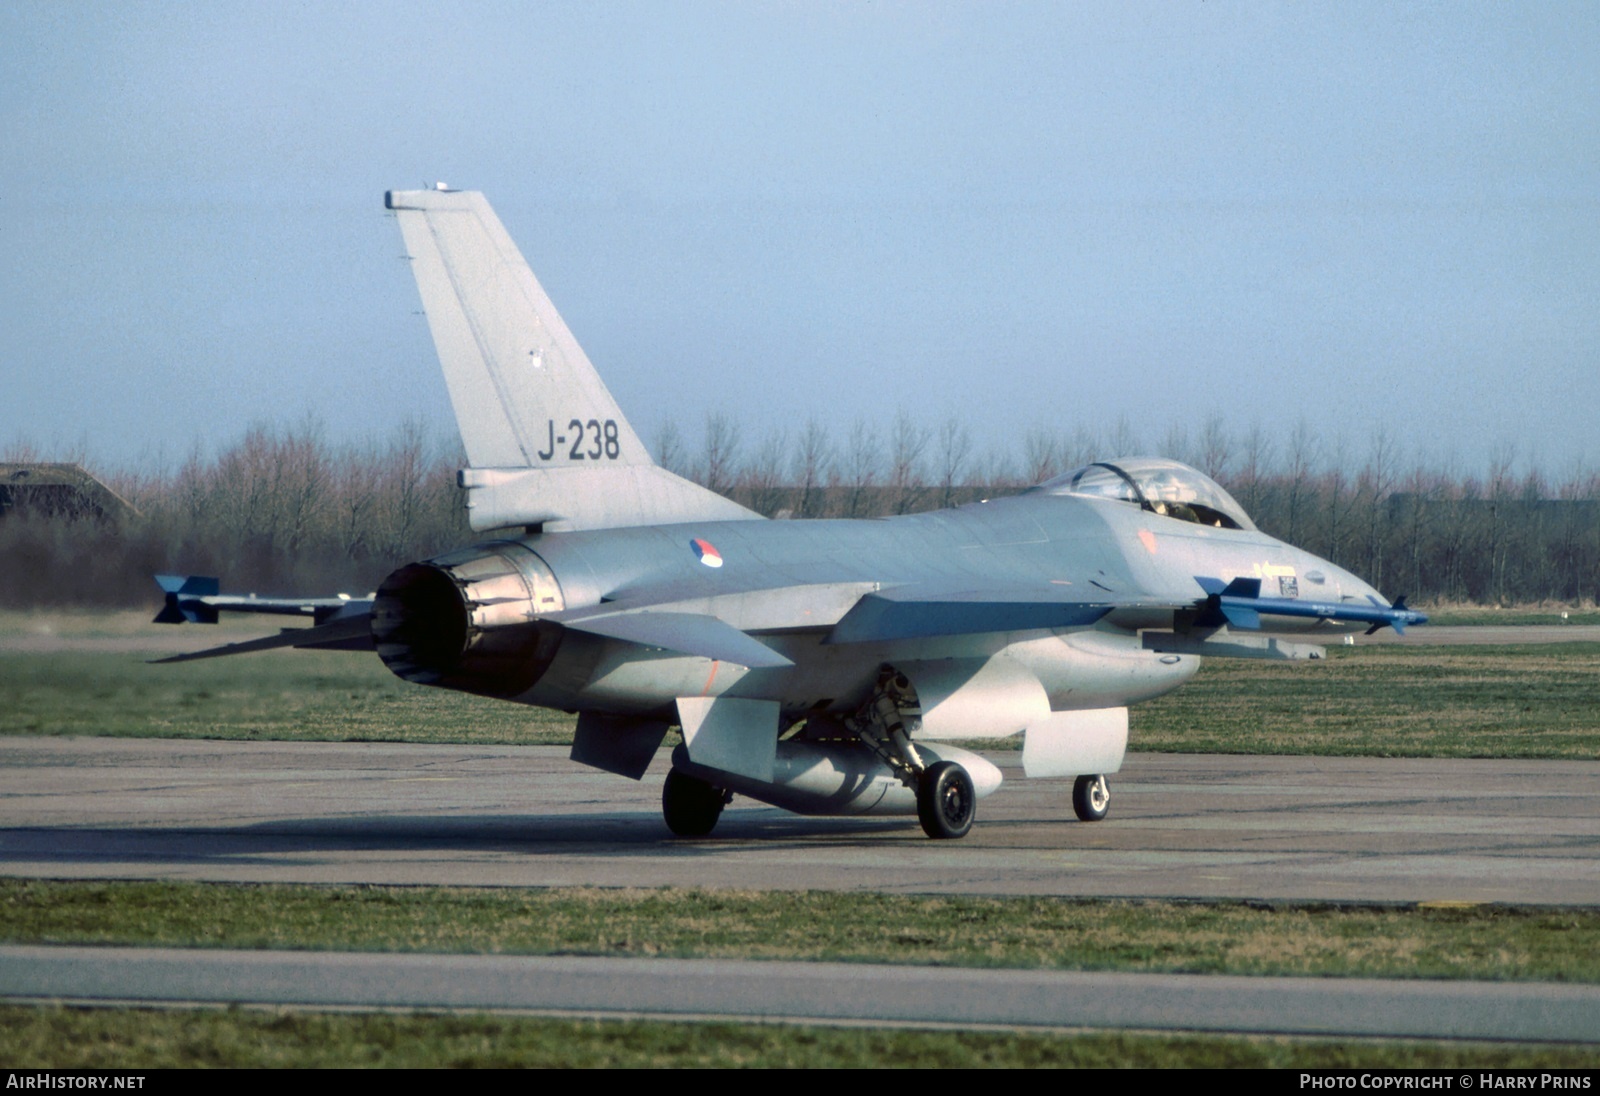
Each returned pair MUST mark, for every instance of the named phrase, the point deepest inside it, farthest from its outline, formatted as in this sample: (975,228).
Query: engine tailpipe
(470,620)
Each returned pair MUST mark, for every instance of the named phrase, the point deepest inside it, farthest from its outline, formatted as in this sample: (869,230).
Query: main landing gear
(946,799)
(943,790)
(691,806)
(1091,797)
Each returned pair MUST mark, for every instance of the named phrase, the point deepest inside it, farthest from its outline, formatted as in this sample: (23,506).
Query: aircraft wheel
(691,806)
(1091,797)
(946,800)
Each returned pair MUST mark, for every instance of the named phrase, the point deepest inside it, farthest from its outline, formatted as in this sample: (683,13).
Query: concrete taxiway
(1181,826)
(827,992)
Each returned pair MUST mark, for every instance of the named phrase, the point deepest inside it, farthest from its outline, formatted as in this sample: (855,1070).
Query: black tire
(1091,798)
(946,800)
(690,806)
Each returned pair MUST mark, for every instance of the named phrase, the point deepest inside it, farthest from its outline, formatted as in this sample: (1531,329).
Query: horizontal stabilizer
(683,633)
(351,633)
(911,612)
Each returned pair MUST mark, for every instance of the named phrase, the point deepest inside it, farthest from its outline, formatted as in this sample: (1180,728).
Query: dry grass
(142,1039)
(1390,701)
(1387,701)
(1487,942)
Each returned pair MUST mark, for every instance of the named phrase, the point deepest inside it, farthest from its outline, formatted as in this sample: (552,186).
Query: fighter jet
(825,666)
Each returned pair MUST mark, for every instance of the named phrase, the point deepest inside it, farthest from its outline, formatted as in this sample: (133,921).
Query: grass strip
(1474,942)
(292,696)
(134,1039)
(1533,701)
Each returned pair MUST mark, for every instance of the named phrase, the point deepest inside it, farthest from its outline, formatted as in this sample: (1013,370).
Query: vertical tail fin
(546,442)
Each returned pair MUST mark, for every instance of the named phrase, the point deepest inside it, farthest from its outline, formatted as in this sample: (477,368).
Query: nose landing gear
(1091,797)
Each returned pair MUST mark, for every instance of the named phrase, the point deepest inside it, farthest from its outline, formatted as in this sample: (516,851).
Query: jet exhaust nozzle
(470,620)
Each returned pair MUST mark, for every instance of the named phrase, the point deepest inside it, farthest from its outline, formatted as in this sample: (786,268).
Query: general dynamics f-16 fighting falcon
(819,666)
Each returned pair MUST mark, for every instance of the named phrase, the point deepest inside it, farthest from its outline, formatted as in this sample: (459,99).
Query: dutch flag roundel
(707,554)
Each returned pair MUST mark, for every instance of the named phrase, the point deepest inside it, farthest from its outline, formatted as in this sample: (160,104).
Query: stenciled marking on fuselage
(603,440)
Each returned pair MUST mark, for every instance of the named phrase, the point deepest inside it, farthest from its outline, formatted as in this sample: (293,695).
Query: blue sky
(1029,215)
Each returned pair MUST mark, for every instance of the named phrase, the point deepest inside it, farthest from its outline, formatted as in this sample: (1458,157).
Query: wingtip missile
(1396,615)
(198,599)
(1239,605)
(184,599)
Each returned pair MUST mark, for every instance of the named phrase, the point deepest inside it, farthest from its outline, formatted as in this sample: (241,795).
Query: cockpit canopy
(1152,483)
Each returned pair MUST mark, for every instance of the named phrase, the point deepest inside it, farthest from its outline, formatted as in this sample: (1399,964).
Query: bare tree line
(283,510)
(1435,532)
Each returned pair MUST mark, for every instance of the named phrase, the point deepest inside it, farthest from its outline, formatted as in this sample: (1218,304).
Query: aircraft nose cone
(1349,587)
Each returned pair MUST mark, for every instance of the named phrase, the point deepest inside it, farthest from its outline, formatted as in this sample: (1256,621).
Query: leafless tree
(860,466)
(1255,463)
(1336,498)
(997,471)
(1175,443)
(669,449)
(812,466)
(1082,447)
(1570,553)
(763,477)
(954,450)
(1215,447)
(719,461)
(1502,461)
(1041,455)
(1302,460)
(1376,482)
(1122,441)
(908,443)
(280,510)
(356,491)
(400,490)
(301,474)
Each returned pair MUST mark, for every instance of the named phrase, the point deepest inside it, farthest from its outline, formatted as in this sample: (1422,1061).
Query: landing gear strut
(691,806)
(946,799)
(1091,797)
